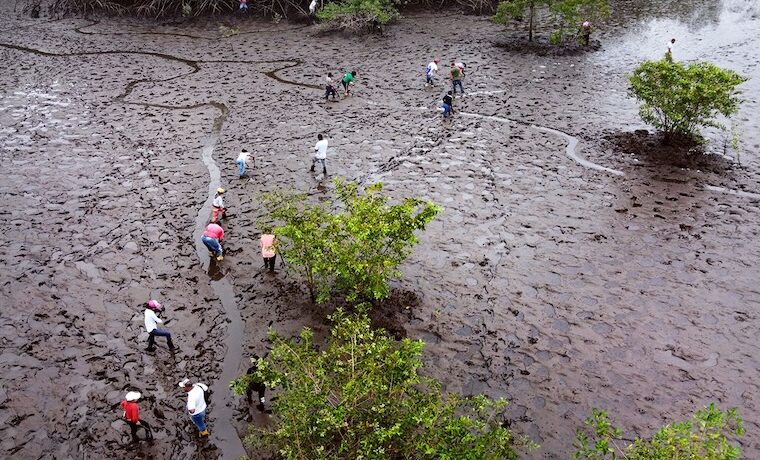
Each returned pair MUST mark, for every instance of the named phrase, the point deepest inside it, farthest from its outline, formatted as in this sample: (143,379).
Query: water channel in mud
(576,264)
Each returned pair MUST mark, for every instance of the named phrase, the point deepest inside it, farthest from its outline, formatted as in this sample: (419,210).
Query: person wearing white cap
(132,416)
(196,404)
(151,325)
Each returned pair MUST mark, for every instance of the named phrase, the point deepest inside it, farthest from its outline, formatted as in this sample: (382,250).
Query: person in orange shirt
(132,416)
(268,247)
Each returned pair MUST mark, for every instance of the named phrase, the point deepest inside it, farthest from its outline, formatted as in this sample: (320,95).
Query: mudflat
(577,264)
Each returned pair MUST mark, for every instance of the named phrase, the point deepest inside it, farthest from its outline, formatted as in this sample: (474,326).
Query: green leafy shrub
(358,15)
(356,249)
(362,397)
(705,437)
(678,98)
(566,14)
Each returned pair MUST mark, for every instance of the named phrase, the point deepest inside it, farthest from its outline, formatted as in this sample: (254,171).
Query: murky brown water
(563,276)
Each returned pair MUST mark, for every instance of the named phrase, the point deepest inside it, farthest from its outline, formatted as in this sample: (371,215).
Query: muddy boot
(219,258)
(204,432)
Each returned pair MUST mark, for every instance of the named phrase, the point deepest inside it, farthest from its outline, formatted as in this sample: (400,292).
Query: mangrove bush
(362,396)
(678,98)
(352,245)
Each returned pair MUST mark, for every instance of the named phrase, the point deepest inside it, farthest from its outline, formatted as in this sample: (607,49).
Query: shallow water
(551,281)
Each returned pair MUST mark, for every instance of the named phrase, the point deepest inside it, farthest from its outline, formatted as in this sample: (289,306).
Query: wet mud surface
(576,264)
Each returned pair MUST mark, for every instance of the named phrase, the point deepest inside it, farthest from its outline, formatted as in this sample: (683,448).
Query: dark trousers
(269,262)
(161,333)
(134,426)
(330,90)
(322,161)
(586,38)
(459,83)
(259,388)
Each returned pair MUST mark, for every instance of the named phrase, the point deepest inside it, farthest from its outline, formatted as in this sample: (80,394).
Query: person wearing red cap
(132,416)
(151,325)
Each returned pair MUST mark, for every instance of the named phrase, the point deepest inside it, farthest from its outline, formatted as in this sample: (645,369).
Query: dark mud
(550,278)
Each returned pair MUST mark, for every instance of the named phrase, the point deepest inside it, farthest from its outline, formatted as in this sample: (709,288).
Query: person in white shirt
(217,207)
(151,325)
(320,153)
(196,404)
(242,161)
(430,72)
(669,53)
(330,87)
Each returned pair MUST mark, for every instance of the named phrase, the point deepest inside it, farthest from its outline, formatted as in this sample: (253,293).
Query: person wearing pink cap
(151,325)
(267,244)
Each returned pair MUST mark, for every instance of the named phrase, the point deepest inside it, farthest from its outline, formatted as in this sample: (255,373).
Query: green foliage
(358,15)
(566,14)
(679,98)
(362,398)
(705,437)
(356,249)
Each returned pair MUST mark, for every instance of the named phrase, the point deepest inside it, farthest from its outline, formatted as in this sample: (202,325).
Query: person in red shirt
(132,416)
(212,238)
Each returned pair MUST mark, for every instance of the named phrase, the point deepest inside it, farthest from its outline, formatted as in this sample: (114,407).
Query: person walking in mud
(242,162)
(212,238)
(430,72)
(330,87)
(151,325)
(268,243)
(448,105)
(196,404)
(217,207)
(348,81)
(455,74)
(320,154)
(586,32)
(669,52)
(254,384)
(132,416)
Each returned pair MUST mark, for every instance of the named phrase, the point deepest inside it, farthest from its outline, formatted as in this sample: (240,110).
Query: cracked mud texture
(558,286)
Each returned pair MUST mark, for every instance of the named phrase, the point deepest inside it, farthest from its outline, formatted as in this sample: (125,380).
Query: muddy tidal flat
(576,263)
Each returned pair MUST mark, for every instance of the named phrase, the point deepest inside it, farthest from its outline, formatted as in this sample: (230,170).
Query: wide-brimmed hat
(132,396)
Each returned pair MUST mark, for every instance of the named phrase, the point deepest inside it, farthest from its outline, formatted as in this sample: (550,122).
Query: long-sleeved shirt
(214,231)
(151,320)
(267,245)
(196,401)
(131,411)
(218,202)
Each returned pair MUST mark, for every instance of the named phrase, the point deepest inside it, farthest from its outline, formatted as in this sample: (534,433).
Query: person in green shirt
(347,82)
(456,77)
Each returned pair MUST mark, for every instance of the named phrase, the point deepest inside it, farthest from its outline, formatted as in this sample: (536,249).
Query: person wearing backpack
(196,404)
